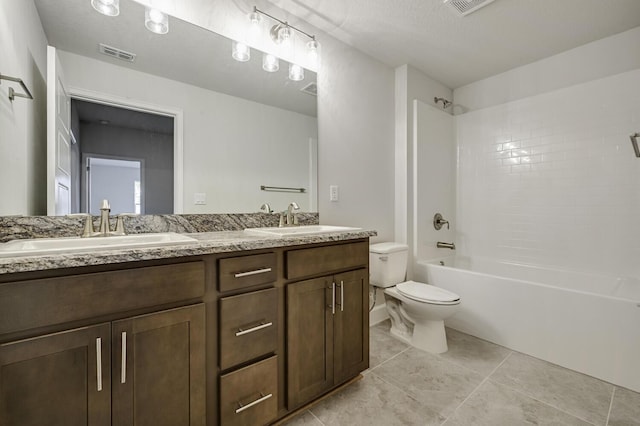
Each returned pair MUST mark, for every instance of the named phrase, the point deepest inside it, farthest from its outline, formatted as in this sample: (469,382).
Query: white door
(58,139)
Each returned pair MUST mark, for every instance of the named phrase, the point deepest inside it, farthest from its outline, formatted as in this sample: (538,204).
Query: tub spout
(451,246)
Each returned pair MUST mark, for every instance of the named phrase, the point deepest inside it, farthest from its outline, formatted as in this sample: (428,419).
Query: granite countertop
(208,243)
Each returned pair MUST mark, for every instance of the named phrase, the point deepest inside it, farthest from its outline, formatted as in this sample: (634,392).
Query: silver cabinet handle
(341,296)
(251,404)
(257,271)
(123,370)
(242,332)
(99,362)
(333,299)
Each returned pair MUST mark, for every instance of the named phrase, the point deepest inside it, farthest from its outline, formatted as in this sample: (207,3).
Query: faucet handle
(88,230)
(105,205)
(120,223)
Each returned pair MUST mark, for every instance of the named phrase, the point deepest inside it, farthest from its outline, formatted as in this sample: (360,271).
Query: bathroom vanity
(233,330)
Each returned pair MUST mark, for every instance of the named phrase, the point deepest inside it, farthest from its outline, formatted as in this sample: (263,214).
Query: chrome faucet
(292,219)
(451,246)
(266,208)
(104,229)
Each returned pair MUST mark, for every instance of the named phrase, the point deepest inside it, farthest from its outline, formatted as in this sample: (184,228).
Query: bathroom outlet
(199,198)
(333,193)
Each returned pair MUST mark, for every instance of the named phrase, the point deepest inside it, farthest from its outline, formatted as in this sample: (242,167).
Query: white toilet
(417,310)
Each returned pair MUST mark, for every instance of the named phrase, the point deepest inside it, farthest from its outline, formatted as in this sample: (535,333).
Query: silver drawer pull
(123,371)
(242,332)
(251,404)
(257,271)
(99,363)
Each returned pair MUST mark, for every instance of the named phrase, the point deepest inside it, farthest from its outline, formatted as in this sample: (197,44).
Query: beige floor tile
(582,396)
(304,419)
(497,405)
(436,383)
(373,402)
(476,354)
(383,346)
(625,410)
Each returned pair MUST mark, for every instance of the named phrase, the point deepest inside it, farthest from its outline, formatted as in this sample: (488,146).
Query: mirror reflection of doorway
(116,180)
(116,143)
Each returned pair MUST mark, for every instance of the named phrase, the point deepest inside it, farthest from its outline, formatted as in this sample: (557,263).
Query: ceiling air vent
(465,7)
(117,53)
(311,89)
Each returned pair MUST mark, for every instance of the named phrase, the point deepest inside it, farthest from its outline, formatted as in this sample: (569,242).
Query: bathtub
(586,322)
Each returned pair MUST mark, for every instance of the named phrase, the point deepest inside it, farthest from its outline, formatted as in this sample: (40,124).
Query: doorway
(119,180)
(122,155)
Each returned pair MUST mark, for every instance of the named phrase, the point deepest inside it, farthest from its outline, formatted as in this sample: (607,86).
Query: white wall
(601,58)
(434,179)
(552,179)
(23,55)
(222,136)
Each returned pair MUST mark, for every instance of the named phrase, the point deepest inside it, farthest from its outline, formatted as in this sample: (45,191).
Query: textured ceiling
(458,50)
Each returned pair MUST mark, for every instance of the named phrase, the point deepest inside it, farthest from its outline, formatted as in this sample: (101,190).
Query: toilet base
(430,336)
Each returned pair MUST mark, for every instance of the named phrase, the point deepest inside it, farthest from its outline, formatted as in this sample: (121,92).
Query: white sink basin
(43,246)
(299,230)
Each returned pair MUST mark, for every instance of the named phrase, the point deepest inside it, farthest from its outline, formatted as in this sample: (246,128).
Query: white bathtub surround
(553,180)
(588,323)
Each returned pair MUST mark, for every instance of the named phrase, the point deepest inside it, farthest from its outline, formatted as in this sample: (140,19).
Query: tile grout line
(544,403)
(476,388)
(613,394)
(315,417)
(389,359)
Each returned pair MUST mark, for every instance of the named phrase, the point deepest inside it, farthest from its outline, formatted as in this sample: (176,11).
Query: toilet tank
(387,263)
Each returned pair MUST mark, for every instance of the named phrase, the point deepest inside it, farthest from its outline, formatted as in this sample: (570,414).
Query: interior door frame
(137,105)
(85,193)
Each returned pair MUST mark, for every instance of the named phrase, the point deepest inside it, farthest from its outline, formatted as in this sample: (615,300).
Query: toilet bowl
(417,310)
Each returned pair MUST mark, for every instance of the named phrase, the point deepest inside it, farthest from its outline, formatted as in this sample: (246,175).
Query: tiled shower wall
(553,180)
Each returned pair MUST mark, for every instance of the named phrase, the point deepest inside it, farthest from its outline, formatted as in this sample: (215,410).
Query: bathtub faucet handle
(438,221)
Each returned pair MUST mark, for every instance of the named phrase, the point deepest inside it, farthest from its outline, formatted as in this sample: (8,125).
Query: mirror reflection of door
(116,180)
(111,146)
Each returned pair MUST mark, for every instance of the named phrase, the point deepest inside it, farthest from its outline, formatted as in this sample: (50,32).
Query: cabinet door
(60,379)
(159,368)
(351,325)
(310,339)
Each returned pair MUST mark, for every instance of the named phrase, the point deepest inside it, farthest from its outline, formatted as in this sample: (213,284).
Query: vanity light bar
(282,24)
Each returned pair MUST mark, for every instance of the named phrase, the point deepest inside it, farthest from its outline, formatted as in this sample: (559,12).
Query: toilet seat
(427,293)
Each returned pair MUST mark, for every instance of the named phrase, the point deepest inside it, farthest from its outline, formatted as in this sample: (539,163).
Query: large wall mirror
(183,127)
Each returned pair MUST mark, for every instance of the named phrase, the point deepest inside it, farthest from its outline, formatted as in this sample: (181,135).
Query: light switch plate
(333,193)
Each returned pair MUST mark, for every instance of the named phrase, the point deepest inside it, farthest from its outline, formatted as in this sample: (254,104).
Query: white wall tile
(552,179)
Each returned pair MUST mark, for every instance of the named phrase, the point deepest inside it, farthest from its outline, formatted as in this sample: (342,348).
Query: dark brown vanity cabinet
(248,340)
(327,322)
(146,369)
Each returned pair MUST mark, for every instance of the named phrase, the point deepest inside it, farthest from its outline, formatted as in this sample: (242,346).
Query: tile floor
(476,383)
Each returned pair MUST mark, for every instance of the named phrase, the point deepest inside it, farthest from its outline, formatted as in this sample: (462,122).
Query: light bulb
(240,51)
(284,34)
(270,63)
(312,51)
(296,72)
(107,7)
(156,21)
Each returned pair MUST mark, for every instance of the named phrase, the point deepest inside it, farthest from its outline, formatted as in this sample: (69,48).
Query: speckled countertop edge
(208,243)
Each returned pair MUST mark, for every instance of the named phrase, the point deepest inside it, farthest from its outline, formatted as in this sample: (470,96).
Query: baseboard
(378,314)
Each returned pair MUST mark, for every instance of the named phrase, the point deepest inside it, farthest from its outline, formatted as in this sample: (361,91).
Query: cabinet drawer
(36,303)
(246,271)
(249,396)
(248,326)
(320,260)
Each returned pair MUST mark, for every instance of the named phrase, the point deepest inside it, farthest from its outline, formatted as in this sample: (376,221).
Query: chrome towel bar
(12,93)
(281,189)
